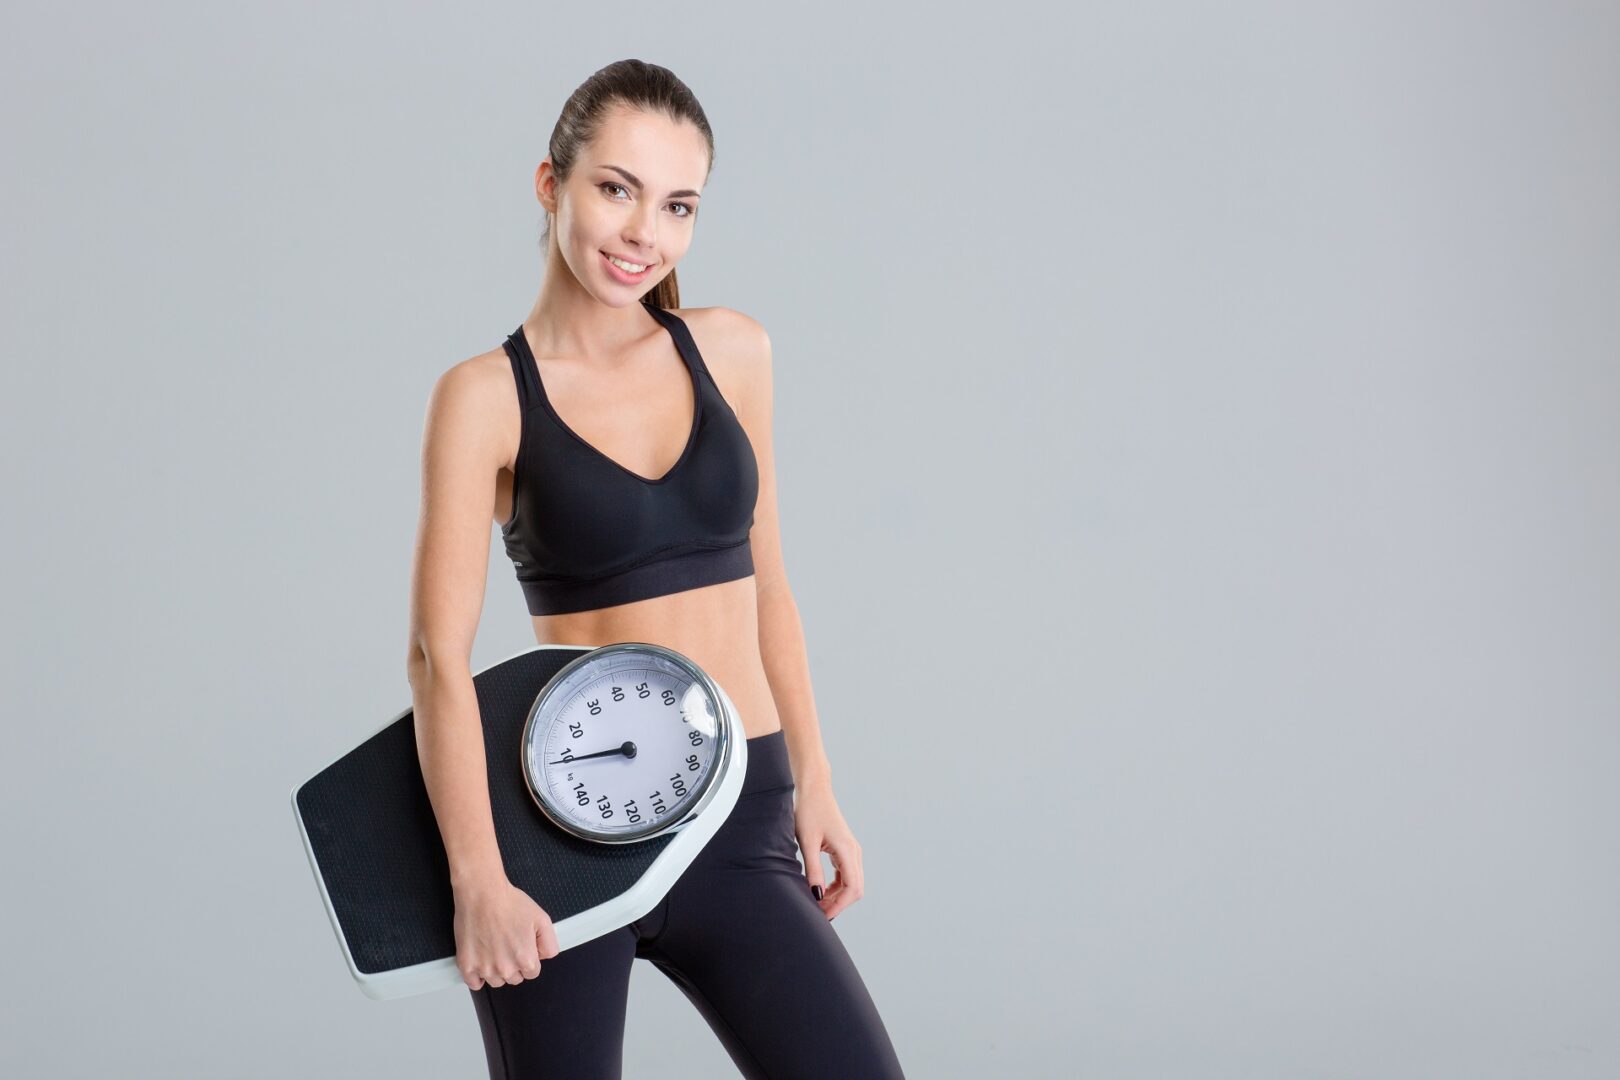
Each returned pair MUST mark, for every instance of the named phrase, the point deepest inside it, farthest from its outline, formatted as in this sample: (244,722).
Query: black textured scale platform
(375,847)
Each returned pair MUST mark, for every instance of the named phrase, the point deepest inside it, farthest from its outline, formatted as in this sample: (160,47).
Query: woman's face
(633,195)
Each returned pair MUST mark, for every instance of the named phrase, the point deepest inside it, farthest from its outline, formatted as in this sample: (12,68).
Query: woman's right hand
(501,934)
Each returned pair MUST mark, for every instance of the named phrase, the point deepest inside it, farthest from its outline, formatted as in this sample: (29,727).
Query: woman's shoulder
(736,350)
(728,335)
(468,391)
(722,321)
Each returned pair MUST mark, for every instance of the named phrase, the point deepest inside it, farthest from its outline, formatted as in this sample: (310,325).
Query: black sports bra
(586,533)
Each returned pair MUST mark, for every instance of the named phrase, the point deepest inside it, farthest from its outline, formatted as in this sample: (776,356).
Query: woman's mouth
(625,269)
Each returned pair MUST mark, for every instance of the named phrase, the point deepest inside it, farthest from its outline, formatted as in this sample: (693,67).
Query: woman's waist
(718,632)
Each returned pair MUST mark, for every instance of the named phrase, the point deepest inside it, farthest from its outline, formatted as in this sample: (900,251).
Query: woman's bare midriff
(716,626)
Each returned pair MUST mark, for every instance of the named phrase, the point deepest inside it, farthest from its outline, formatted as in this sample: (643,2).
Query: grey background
(1197,437)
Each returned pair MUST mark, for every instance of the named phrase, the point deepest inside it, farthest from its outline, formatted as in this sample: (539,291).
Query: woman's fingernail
(815,890)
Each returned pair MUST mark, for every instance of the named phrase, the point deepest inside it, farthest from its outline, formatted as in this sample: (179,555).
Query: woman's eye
(606,184)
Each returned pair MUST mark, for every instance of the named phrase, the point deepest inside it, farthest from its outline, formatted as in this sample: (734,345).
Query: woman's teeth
(629,267)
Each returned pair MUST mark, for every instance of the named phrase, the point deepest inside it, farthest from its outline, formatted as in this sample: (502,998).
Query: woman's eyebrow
(635,183)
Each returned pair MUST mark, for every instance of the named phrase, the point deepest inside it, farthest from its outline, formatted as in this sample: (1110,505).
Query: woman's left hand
(821,827)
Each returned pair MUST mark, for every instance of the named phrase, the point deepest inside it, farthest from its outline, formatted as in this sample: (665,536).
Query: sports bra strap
(683,337)
(528,380)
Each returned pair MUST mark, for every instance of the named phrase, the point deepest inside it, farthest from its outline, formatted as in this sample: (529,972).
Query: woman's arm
(781,635)
(819,823)
(461,455)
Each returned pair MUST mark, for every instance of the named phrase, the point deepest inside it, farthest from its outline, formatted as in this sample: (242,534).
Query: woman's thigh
(750,947)
(567,1022)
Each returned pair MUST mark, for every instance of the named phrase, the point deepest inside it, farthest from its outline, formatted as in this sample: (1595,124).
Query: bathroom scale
(610,767)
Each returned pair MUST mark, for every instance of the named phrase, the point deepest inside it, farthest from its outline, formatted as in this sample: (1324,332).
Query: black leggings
(744,939)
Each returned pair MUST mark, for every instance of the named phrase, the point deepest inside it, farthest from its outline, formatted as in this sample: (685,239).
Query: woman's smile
(618,267)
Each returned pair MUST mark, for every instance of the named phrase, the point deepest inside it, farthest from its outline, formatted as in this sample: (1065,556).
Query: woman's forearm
(787,669)
(450,747)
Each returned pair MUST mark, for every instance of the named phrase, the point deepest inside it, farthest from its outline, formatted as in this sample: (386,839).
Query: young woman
(623,446)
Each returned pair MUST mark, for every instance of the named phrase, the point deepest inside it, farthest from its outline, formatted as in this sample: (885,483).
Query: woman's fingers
(848,885)
(545,940)
(810,848)
(517,964)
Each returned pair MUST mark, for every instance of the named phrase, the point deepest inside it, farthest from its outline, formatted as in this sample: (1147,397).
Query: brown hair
(639,85)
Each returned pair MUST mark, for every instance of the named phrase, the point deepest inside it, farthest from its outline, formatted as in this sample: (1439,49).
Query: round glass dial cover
(624,742)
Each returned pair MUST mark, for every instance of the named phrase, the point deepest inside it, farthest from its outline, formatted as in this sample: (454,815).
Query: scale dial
(625,742)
